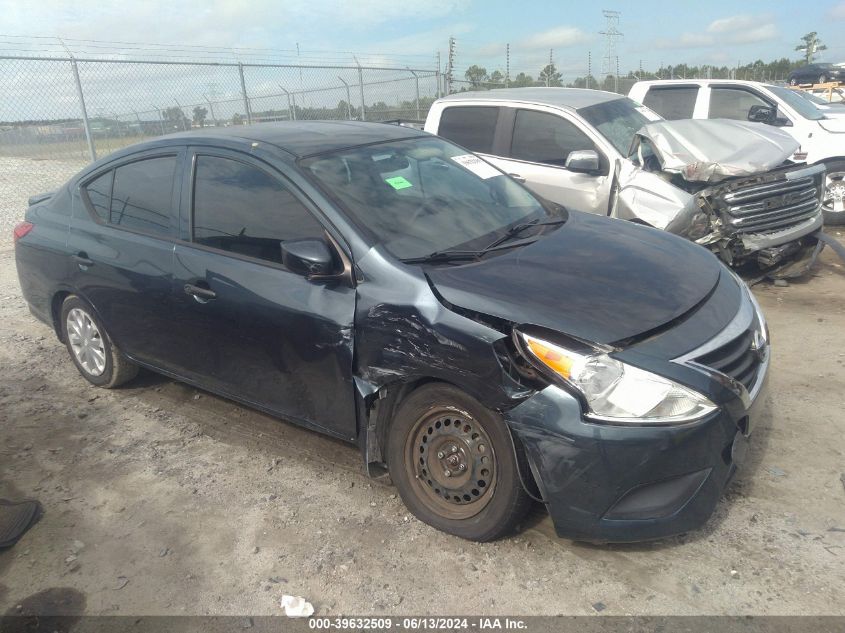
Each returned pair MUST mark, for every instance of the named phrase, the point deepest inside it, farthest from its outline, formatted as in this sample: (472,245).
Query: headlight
(615,391)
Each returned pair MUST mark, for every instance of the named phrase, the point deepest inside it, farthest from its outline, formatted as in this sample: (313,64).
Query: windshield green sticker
(398,182)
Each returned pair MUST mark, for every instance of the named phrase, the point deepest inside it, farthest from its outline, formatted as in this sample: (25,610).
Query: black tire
(116,368)
(822,79)
(834,182)
(482,502)
(793,81)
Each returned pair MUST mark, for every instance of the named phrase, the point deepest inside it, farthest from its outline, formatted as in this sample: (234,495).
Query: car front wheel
(90,348)
(822,79)
(833,203)
(793,81)
(455,465)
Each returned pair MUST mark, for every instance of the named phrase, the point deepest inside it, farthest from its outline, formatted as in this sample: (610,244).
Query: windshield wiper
(456,255)
(516,229)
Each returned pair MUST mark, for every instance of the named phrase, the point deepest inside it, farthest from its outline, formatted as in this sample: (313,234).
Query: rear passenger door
(672,102)
(254,330)
(121,242)
(538,147)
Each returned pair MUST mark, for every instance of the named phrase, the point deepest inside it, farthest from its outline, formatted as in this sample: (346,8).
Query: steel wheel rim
(86,342)
(447,440)
(834,192)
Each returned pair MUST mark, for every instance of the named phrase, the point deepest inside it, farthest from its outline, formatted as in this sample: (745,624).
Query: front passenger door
(255,330)
(540,144)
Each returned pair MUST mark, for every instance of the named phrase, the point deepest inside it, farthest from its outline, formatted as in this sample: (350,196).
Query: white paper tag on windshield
(476,165)
(651,115)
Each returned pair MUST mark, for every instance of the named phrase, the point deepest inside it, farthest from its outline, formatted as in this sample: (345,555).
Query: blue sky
(395,33)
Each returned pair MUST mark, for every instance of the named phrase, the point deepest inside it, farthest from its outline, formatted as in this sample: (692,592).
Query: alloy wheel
(834,194)
(86,342)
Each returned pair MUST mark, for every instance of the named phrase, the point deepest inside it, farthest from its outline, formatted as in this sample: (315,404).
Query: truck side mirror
(307,257)
(584,161)
(762,114)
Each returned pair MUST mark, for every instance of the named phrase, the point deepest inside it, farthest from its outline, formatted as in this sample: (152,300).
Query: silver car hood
(711,150)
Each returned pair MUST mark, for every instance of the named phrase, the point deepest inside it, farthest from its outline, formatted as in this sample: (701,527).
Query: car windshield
(423,195)
(618,121)
(803,107)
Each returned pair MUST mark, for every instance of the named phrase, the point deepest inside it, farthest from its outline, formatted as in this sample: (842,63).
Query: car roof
(299,138)
(571,98)
(703,82)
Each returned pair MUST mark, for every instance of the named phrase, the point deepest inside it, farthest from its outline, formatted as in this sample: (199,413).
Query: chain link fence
(59,113)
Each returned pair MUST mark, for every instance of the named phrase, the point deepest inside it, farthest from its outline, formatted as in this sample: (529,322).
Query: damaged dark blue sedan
(389,288)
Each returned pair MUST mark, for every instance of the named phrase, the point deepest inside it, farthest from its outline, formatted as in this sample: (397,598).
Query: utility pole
(611,35)
(589,67)
(549,70)
(450,65)
(507,65)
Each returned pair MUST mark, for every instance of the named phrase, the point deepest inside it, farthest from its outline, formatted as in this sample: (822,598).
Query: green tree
(237,119)
(497,78)
(522,80)
(810,45)
(549,76)
(175,118)
(476,75)
(199,115)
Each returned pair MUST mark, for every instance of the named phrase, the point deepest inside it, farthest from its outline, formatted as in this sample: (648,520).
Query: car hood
(595,278)
(835,122)
(711,150)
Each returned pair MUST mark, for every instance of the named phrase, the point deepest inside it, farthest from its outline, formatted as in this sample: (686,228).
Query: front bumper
(607,483)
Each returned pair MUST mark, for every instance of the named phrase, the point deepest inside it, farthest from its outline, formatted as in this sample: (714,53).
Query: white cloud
(559,37)
(837,12)
(732,30)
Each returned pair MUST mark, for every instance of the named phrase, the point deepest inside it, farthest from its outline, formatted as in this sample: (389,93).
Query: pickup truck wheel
(833,203)
(822,79)
(90,348)
(454,465)
(793,81)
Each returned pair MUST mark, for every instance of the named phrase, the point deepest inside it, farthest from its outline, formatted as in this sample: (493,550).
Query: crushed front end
(769,220)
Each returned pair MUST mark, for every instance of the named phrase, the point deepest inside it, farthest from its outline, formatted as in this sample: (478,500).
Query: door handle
(83,260)
(199,293)
(517,177)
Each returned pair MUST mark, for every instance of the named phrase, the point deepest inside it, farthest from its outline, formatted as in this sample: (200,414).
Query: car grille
(739,358)
(771,206)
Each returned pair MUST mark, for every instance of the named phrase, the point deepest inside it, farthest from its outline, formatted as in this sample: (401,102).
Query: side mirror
(308,257)
(583,161)
(762,114)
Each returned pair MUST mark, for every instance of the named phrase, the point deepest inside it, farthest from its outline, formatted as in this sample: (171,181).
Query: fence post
(348,99)
(437,76)
(243,92)
(211,107)
(291,110)
(361,85)
(85,123)
(417,91)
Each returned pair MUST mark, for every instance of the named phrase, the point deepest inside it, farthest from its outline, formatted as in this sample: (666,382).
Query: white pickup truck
(821,134)
(727,185)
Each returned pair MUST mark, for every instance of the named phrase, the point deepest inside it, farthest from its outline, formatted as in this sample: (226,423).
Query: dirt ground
(160,499)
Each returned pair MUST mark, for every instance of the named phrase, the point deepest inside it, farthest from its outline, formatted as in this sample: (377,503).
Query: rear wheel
(793,81)
(822,79)
(90,348)
(454,464)
(833,203)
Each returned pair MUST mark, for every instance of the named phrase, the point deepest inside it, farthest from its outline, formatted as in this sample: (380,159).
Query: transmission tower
(610,61)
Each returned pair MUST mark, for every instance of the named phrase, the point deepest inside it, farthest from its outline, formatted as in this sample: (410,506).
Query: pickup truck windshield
(422,195)
(618,121)
(799,104)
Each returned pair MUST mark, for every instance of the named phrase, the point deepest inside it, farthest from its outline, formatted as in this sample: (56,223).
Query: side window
(99,194)
(672,103)
(472,127)
(732,103)
(242,209)
(540,137)
(142,195)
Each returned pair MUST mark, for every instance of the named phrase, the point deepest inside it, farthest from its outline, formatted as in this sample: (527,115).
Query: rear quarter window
(672,103)
(473,127)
